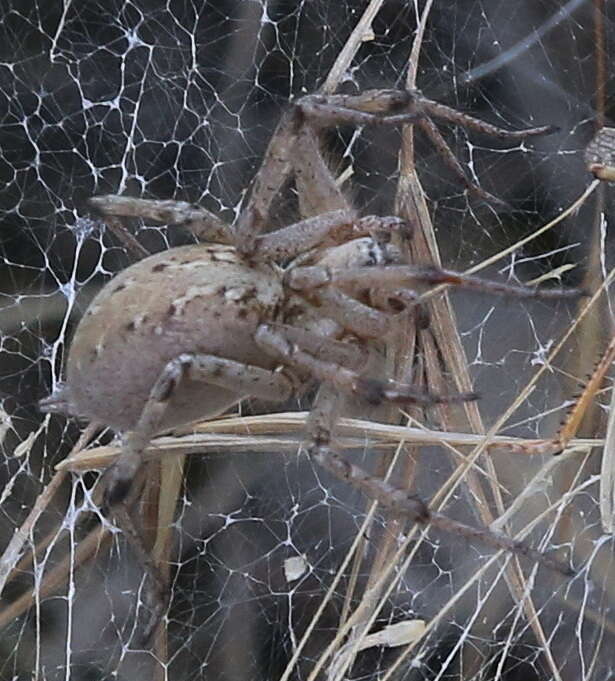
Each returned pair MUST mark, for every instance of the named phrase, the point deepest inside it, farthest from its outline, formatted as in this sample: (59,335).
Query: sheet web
(178,100)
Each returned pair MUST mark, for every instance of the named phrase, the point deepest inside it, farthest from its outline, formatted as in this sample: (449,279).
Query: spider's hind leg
(157,595)
(120,489)
(320,425)
(239,379)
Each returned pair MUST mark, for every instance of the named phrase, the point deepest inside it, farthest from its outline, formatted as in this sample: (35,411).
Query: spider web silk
(177,100)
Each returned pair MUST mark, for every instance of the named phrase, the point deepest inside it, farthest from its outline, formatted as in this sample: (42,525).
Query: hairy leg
(450,160)
(199,221)
(429,107)
(119,479)
(240,378)
(320,426)
(374,391)
(353,315)
(408,276)
(316,185)
(324,230)
(272,174)
(156,593)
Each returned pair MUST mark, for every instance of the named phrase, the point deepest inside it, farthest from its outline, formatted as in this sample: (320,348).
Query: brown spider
(184,334)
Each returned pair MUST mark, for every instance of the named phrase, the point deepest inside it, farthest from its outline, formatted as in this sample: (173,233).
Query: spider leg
(269,179)
(410,276)
(324,230)
(429,107)
(430,129)
(364,320)
(294,147)
(158,594)
(349,381)
(317,189)
(326,113)
(330,217)
(240,378)
(396,107)
(352,314)
(411,505)
(199,221)
(320,424)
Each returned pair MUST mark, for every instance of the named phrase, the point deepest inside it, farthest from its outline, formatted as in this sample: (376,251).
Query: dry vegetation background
(178,100)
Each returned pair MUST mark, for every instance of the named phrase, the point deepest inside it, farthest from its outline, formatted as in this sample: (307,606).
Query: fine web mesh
(178,100)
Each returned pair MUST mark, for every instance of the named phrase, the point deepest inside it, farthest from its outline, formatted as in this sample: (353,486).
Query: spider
(187,333)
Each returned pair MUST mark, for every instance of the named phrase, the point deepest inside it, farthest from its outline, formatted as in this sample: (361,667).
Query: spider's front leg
(407,277)
(329,217)
(396,107)
(325,230)
(275,342)
(392,288)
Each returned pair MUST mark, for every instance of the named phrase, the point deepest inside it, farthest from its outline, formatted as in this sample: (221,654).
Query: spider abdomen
(193,299)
